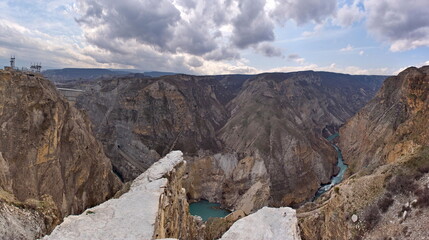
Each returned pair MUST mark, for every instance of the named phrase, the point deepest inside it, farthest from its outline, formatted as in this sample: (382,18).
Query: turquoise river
(206,210)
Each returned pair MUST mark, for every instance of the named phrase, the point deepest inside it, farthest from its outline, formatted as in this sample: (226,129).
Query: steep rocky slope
(245,136)
(279,119)
(154,207)
(387,148)
(48,155)
(392,124)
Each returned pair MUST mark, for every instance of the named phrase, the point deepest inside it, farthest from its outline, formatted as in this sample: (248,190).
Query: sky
(217,36)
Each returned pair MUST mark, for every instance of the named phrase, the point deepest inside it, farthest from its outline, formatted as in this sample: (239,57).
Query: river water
(206,210)
(337,178)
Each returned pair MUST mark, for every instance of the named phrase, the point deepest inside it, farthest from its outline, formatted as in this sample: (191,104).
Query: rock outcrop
(392,125)
(154,207)
(20,223)
(387,148)
(270,127)
(47,151)
(265,224)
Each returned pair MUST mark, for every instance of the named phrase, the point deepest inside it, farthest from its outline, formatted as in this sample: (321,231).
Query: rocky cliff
(154,207)
(386,146)
(392,125)
(48,155)
(244,135)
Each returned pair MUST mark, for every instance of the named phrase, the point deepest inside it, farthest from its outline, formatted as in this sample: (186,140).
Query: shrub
(337,190)
(401,184)
(423,169)
(371,217)
(385,202)
(422,197)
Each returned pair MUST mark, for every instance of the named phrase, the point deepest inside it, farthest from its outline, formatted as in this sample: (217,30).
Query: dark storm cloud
(252,25)
(304,11)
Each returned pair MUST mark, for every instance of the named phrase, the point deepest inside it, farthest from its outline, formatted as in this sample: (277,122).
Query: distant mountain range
(67,74)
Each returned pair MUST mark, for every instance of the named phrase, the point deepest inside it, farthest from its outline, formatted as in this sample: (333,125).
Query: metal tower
(12,62)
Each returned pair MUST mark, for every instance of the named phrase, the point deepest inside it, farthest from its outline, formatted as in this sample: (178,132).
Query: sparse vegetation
(401,184)
(422,197)
(89,212)
(371,217)
(337,190)
(420,162)
(385,202)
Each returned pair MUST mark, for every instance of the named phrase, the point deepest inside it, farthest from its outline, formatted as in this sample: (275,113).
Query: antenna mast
(12,62)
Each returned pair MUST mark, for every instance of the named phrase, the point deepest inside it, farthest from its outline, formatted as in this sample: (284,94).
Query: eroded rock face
(139,120)
(271,121)
(18,223)
(391,126)
(223,178)
(47,147)
(386,141)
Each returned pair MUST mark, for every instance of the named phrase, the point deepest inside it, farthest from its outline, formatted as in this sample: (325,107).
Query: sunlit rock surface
(131,216)
(267,223)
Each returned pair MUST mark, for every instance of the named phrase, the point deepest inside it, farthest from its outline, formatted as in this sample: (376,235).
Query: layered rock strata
(387,149)
(48,155)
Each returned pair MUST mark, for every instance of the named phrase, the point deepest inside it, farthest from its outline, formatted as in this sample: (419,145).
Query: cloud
(361,52)
(333,68)
(223,53)
(296,58)
(293,56)
(195,62)
(213,30)
(252,25)
(268,50)
(349,48)
(303,11)
(402,24)
(348,14)
(148,22)
(31,45)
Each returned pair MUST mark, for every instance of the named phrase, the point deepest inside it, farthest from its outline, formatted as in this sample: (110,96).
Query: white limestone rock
(132,216)
(266,224)
(354,218)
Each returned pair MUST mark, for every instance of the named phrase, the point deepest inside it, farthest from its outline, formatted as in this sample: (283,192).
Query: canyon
(245,141)
(250,140)
(385,145)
